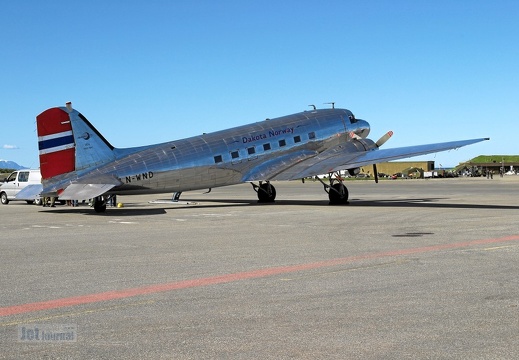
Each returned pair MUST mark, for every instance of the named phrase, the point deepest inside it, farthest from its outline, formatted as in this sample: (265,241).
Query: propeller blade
(384,138)
(375,172)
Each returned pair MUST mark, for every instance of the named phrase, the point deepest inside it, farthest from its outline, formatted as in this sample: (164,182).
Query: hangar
(394,167)
(498,164)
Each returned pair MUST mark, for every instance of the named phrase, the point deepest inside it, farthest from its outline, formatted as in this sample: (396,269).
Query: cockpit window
(352,119)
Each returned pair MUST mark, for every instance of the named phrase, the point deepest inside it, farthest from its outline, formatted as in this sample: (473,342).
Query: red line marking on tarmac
(227,278)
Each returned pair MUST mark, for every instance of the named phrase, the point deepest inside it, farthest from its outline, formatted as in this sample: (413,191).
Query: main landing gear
(337,191)
(266,192)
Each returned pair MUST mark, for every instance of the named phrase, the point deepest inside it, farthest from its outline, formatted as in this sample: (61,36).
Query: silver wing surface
(29,192)
(342,157)
(84,191)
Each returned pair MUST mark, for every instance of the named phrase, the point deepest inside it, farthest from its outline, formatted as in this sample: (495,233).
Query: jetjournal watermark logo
(47,333)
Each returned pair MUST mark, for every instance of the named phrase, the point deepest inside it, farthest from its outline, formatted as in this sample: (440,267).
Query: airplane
(77,162)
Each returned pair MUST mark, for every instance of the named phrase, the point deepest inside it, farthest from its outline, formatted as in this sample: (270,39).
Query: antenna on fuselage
(332,103)
(312,105)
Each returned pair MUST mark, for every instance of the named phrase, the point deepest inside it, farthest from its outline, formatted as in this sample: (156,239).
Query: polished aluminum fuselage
(264,150)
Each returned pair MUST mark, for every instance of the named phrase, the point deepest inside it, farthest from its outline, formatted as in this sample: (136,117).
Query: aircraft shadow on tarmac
(109,213)
(147,209)
(398,203)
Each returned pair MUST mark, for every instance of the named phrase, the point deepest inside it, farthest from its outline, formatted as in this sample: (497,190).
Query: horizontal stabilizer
(84,191)
(30,192)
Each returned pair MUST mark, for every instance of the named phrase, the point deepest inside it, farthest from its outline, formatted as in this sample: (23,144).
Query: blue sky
(152,71)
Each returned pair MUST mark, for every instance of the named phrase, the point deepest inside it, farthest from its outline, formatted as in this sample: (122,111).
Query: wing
(343,157)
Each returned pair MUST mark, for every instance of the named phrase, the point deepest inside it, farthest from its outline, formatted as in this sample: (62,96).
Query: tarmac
(410,269)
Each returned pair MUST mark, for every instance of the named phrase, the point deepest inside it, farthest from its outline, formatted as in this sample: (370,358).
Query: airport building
(409,168)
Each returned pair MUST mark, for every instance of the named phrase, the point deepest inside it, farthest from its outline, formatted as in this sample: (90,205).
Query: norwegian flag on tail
(55,142)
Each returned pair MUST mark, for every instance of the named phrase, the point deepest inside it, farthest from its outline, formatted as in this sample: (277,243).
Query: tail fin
(69,143)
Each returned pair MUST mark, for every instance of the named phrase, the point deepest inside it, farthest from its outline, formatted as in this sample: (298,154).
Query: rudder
(55,143)
(68,143)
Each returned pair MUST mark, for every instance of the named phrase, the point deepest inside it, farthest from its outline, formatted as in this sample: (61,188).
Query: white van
(16,181)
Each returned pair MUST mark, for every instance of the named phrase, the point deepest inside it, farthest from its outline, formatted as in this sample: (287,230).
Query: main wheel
(266,193)
(4,199)
(338,195)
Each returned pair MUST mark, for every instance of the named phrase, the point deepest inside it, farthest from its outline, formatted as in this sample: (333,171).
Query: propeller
(379,143)
(384,138)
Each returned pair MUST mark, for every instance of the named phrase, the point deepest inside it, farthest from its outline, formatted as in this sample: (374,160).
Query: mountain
(6,164)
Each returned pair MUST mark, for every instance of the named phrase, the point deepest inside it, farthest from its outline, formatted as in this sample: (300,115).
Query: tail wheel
(4,199)
(338,194)
(99,205)
(266,193)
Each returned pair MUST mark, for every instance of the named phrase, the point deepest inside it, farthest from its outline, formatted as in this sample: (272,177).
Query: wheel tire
(4,199)
(38,202)
(339,196)
(99,206)
(30,202)
(266,196)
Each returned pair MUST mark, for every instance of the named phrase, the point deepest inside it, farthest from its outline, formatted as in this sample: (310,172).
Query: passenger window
(218,159)
(282,142)
(266,146)
(235,154)
(251,150)
(297,139)
(311,135)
